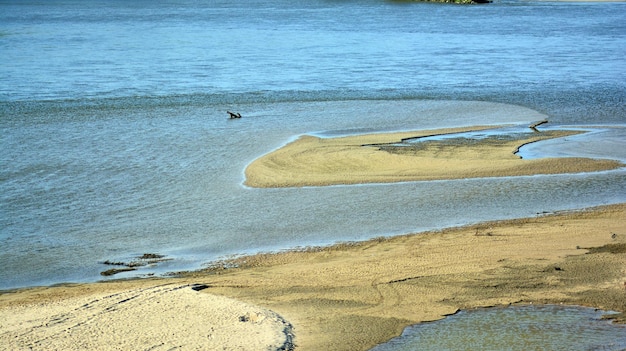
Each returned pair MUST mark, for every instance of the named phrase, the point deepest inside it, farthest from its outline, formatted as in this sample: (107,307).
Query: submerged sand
(372,158)
(346,297)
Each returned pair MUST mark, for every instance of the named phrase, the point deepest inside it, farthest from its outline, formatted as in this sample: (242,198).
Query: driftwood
(234,115)
(536,124)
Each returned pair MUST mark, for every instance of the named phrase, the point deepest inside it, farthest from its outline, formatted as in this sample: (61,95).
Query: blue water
(94,49)
(523,328)
(114,138)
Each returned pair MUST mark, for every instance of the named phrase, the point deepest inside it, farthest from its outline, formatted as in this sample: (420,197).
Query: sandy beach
(350,296)
(138,316)
(347,297)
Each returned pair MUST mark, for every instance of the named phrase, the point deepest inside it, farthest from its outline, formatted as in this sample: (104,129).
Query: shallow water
(524,328)
(593,142)
(115,141)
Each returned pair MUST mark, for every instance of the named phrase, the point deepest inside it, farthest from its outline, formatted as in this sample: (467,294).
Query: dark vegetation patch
(616,248)
(150,256)
(140,261)
(113,271)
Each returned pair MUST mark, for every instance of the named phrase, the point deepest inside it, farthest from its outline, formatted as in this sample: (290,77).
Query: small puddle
(544,327)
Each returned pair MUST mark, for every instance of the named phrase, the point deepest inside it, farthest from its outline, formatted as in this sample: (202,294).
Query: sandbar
(350,296)
(373,158)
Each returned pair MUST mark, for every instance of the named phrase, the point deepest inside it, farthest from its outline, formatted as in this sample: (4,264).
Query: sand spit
(314,161)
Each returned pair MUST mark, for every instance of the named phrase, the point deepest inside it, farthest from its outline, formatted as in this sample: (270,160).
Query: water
(90,49)
(514,328)
(115,141)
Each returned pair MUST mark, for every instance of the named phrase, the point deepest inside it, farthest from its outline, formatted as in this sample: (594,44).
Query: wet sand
(372,158)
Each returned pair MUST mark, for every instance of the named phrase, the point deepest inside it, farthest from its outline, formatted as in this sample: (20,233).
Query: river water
(520,328)
(115,142)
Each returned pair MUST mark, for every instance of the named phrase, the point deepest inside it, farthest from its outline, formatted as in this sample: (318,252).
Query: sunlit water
(525,328)
(114,138)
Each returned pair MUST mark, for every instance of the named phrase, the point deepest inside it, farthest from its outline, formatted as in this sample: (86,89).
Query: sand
(314,161)
(346,297)
(350,296)
(162,316)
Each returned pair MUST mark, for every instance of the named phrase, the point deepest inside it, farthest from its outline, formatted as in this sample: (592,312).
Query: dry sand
(346,297)
(138,316)
(313,161)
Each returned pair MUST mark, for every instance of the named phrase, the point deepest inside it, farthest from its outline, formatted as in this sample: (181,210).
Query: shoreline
(353,296)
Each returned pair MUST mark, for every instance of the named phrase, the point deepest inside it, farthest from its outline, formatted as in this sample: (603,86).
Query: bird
(234,115)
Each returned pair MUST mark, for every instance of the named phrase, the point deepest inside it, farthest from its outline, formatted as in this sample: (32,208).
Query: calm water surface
(114,139)
(555,328)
